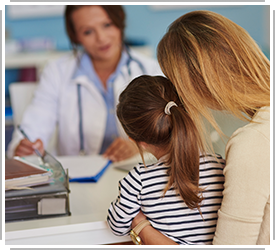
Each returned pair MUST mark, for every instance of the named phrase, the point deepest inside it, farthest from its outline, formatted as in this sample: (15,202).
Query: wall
(150,24)
(145,22)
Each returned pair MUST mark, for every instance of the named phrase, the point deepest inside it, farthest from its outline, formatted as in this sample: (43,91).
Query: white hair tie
(168,106)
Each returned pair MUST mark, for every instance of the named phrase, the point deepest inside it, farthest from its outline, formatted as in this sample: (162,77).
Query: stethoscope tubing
(81,134)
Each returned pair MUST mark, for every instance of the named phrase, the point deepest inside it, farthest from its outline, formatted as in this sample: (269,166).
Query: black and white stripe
(143,189)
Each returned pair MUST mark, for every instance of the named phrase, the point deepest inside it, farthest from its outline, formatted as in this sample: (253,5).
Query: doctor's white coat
(56,104)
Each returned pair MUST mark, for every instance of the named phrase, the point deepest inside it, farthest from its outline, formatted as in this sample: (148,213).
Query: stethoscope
(131,59)
(79,98)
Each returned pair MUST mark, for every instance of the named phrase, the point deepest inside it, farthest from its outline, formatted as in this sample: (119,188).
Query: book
(21,174)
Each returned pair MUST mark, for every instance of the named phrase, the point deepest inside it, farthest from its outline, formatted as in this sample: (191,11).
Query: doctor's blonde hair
(141,111)
(214,64)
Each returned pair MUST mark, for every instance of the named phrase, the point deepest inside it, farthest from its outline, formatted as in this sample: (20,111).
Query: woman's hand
(149,235)
(139,218)
(121,149)
(25,147)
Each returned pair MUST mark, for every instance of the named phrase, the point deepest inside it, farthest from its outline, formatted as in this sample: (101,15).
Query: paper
(83,166)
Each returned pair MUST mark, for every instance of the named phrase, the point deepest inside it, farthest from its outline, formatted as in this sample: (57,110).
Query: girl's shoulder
(211,170)
(211,161)
(150,168)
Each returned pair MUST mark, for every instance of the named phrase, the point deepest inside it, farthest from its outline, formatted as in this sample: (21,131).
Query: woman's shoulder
(142,54)
(258,128)
(249,146)
(146,59)
(62,66)
(65,59)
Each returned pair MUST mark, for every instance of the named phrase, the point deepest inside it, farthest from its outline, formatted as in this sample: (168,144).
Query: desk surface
(87,225)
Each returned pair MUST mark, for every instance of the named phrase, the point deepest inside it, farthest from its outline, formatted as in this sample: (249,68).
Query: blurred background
(35,34)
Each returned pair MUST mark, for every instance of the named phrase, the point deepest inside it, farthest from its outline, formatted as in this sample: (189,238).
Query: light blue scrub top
(86,68)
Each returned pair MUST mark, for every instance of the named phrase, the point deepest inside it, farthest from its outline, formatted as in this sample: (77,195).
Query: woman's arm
(245,203)
(149,235)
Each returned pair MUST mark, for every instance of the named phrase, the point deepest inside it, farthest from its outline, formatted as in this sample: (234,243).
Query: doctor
(78,93)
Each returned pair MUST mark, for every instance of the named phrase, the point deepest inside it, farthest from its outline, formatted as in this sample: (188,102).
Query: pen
(25,135)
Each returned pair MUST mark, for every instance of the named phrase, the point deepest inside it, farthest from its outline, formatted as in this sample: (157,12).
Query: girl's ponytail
(184,157)
(146,117)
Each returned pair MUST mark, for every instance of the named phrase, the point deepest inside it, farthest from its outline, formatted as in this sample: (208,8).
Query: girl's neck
(156,151)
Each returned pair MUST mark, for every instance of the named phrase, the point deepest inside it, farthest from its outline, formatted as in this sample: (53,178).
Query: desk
(87,225)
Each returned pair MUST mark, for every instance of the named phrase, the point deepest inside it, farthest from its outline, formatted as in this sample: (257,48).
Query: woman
(215,64)
(78,93)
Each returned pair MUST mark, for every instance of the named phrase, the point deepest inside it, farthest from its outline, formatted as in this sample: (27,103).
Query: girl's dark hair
(115,12)
(141,113)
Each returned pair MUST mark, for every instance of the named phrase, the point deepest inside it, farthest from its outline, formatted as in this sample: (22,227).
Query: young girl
(182,192)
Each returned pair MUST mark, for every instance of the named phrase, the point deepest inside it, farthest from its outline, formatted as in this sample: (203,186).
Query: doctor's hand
(121,149)
(25,147)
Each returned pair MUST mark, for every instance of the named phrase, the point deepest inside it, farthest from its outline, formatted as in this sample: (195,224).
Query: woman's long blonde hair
(214,64)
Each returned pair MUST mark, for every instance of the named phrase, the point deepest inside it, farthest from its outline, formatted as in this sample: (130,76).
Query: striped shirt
(142,189)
